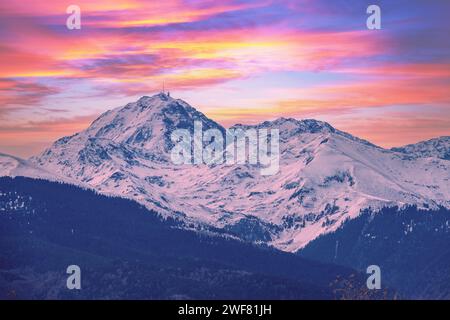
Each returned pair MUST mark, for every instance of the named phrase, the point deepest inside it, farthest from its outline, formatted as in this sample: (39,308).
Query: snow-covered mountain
(437,147)
(326,176)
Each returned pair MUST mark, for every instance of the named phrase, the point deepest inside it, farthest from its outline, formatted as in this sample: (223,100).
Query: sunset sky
(236,61)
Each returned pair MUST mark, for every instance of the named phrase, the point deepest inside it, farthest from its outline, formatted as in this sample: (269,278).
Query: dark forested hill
(411,246)
(126,251)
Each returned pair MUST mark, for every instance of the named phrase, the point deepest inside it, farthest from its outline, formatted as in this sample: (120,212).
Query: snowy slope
(437,147)
(325,177)
(12,166)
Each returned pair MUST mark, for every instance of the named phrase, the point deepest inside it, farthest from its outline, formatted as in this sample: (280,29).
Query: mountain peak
(138,130)
(436,147)
(153,103)
(305,125)
(290,127)
(162,96)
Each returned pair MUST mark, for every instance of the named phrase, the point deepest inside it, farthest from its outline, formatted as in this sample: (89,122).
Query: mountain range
(336,198)
(326,175)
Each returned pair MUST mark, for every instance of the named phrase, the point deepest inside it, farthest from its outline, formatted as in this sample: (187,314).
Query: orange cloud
(410,70)
(58,7)
(171,12)
(31,137)
(397,130)
(341,98)
(130,47)
(22,94)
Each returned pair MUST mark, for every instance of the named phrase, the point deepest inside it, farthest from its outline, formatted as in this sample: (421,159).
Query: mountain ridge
(326,175)
(438,147)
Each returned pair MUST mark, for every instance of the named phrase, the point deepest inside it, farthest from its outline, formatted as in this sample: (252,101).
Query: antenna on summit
(164,90)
